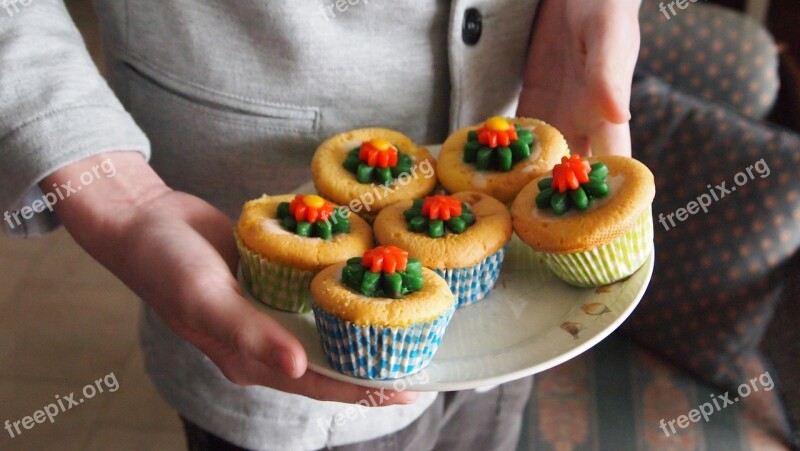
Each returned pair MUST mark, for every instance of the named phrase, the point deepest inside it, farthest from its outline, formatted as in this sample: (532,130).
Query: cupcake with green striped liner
(284,241)
(461,237)
(381,315)
(589,220)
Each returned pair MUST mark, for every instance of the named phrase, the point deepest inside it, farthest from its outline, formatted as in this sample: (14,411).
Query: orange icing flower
(378,152)
(385,258)
(310,208)
(496,131)
(441,207)
(570,173)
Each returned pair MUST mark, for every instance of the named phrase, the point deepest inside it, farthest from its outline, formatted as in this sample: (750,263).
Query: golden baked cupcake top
(371,168)
(302,231)
(499,156)
(382,288)
(446,231)
(583,203)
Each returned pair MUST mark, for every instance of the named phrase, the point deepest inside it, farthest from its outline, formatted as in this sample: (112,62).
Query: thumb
(246,344)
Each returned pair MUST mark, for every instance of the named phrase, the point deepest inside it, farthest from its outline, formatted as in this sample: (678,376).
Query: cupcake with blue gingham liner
(462,237)
(589,220)
(382,315)
(284,241)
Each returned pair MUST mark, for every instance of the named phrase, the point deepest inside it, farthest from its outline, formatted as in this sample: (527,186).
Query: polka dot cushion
(711,52)
(715,281)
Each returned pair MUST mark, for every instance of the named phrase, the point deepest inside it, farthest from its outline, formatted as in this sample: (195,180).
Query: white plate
(530,322)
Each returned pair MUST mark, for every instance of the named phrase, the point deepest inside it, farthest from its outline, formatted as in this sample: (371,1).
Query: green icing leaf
(369,284)
(471,151)
(392,285)
(323,230)
(303,228)
(417,223)
(543,198)
(456,225)
(559,202)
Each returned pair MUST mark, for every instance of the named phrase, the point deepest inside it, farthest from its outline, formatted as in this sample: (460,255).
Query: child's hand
(579,72)
(178,254)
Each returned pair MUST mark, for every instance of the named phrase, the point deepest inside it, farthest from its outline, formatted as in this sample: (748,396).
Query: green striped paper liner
(608,263)
(277,285)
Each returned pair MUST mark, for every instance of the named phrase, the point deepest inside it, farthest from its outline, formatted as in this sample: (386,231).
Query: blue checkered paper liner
(374,352)
(473,283)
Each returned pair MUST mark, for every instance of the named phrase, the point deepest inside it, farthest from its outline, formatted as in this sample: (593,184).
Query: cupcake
(462,237)
(370,168)
(380,316)
(500,156)
(590,220)
(285,240)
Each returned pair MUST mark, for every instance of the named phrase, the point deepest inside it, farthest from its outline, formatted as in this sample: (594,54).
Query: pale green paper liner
(274,284)
(608,263)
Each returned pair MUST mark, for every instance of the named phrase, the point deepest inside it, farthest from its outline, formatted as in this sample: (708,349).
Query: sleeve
(55,109)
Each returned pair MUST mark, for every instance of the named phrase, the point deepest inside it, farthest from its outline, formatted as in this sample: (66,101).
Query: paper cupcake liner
(473,283)
(373,352)
(608,263)
(274,284)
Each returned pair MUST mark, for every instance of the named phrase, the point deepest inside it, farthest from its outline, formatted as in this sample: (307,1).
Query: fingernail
(409,398)
(283,360)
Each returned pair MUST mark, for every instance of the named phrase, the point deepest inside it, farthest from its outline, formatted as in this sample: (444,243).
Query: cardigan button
(473,25)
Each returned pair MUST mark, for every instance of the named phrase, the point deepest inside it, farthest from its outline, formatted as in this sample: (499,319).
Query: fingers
(577,143)
(256,350)
(260,351)
(215,227)
(247,345)
(612,47)
(257,336)
(605,139)
(611,139)
(323,388)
